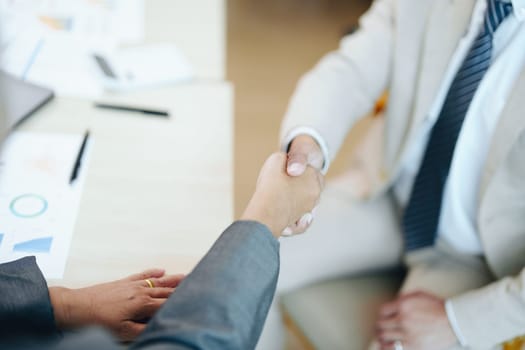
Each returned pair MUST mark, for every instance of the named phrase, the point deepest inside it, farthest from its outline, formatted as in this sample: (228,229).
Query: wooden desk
(197,27)
(158,191)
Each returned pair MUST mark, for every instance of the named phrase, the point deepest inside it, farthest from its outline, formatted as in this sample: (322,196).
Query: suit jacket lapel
(510,126)
(447,24)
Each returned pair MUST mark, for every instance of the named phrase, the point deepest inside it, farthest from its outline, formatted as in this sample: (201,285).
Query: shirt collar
(519,9)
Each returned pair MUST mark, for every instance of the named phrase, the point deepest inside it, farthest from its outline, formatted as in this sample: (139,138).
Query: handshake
(283,201)
(288,189)
(279,202)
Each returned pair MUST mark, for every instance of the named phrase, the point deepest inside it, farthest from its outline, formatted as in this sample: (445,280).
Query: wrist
(61,307)
(70,307)
(267,215)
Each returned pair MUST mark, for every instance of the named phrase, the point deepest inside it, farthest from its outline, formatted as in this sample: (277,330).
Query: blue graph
(38,245)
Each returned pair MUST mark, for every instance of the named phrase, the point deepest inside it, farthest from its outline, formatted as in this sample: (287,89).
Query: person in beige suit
(451,200)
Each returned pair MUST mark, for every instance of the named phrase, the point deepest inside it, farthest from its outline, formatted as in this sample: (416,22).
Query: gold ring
(150,283)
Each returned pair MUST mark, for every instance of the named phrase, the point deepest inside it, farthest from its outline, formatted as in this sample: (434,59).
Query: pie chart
(28,206)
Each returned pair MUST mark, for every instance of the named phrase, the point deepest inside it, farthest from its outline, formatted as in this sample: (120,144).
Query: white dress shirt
(458,220)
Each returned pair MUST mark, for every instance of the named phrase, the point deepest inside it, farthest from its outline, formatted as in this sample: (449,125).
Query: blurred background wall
(271,43)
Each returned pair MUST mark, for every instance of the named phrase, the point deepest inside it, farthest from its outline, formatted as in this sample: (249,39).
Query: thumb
(296,164)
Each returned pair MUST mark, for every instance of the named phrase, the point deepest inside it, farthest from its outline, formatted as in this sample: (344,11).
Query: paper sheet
(147,66)
(38,206)
(50,42)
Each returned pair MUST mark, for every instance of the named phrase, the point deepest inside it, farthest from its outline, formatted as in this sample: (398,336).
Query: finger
(388,346)
(391,336)
(297,162)
(304,223)
(297,229)
(389,309)
(300,226)
(316,178)
(287,232)
(149,308)
(151,273)
(316,160)
(314,210)
(160,292)
(414,295)
(130,330)
(392,323)
(320,180)
(170,281)
(291,230)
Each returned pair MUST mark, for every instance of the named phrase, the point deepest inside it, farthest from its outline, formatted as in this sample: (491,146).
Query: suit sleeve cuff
(25,307)
(307,130)
(449,308)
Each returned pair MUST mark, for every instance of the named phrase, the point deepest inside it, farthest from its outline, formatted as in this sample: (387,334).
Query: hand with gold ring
(121,306)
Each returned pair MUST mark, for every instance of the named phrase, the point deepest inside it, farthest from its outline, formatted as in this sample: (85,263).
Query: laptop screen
(18,100)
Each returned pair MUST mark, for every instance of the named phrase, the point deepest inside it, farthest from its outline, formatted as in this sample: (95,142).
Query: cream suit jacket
(404,46)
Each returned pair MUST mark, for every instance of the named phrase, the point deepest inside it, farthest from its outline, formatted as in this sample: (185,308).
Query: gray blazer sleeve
(25,307)
(221,304)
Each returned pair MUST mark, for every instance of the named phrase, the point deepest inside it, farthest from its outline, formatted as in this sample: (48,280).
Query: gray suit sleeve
(223,303)
(25,307)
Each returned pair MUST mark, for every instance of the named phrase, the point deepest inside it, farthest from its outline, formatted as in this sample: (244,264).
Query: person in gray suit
(221,304)
(29,307)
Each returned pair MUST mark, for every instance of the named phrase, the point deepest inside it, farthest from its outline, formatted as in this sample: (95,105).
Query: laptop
(18,100)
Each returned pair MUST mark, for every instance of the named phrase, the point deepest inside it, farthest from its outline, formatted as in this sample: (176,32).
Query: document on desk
(48,42)
(38,205)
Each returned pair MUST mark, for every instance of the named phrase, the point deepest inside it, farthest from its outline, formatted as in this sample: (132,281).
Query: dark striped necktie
(421,215)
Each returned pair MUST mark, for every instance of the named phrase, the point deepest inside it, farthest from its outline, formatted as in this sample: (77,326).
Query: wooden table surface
(158,191)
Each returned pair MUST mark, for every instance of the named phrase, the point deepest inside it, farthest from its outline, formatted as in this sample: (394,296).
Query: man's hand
(280,200)
(122,306)
(418,320)
(303,151)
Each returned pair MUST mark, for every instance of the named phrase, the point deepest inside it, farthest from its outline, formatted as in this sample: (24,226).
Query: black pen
(78,161)
(154,112)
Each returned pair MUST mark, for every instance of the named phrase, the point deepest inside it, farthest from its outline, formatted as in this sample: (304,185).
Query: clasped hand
(417,320)
(280,200)
(304,152)
(124,306)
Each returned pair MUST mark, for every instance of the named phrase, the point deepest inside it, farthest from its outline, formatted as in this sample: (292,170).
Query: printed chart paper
(38,206)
